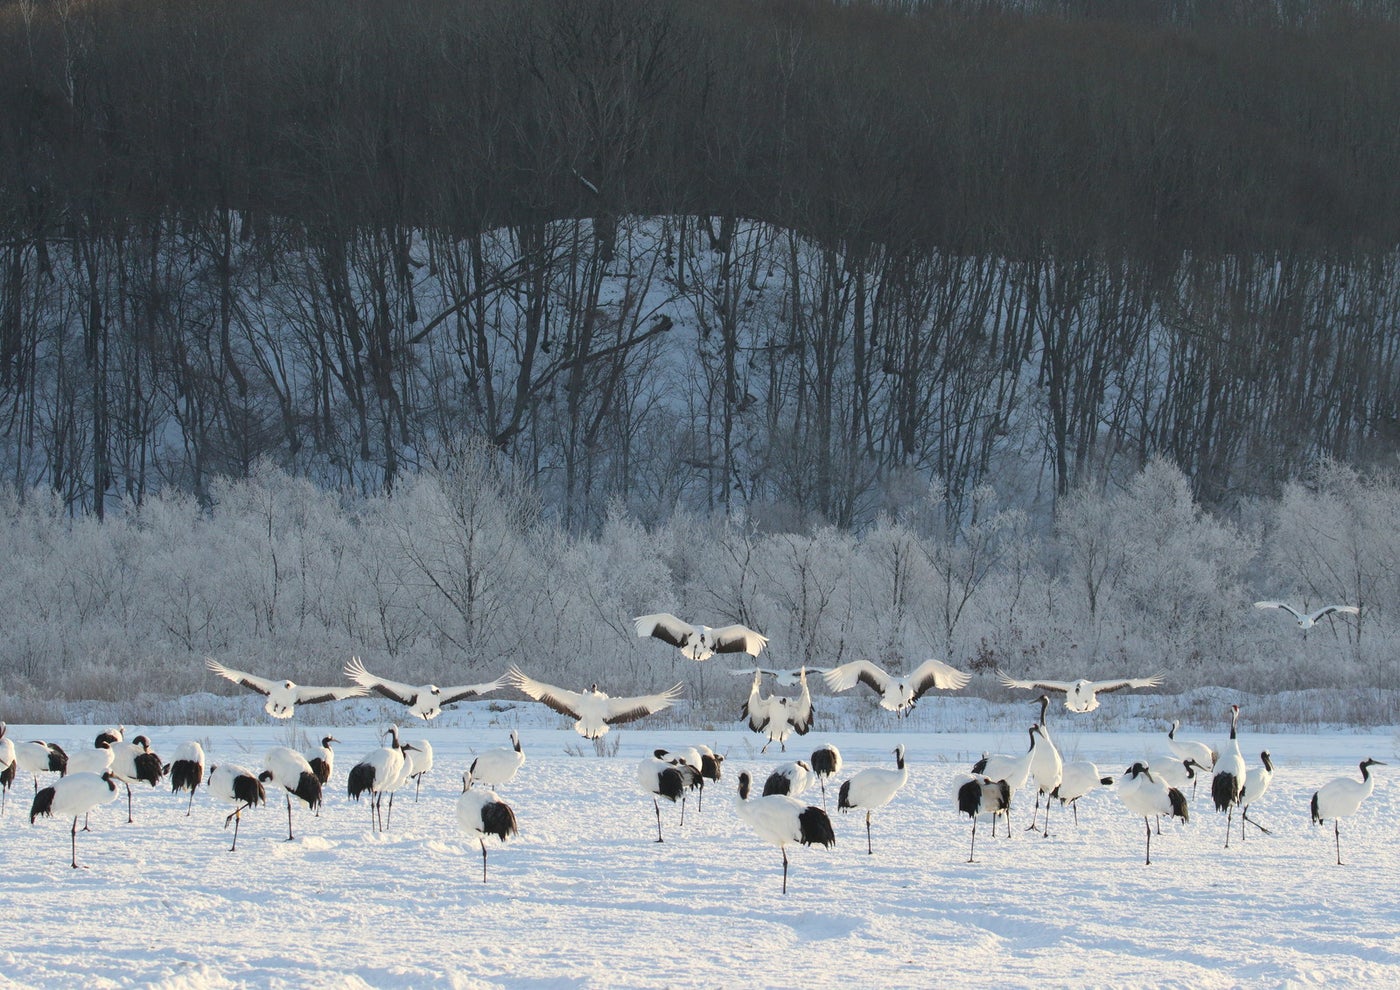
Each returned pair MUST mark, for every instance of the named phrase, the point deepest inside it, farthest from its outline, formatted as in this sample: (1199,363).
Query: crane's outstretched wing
(1329,609)
(562,701)
(753,705)
(933,673)
(848,675)
(258,684)
(1062,686)
(404,694)
(1103,687)
(665,627)
(1283,605)
(462,691)
(737,639)
(315,695)
(802,712)
(630,709)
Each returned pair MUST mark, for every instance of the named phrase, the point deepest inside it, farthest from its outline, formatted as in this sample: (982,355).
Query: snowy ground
(585,896)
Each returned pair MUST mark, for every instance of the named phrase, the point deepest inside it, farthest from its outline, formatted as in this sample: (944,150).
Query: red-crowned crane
(381,772)
(695,781)
(1145,795)
(1228,782)
(791,779)
(1256,784)
(1190,749)
(1082,695)
(9,766)
(418,760)
(659,778)
(186,771)
(1306,620)
(238,786)
(898,692)
(1076,780)
(289,770)
(498,766)
(283,696)
(699,642)
(977,795)
(781,820)
(1046,766)
(593,710)
(423,700)
(322,761)
(484,815)
(38,757)
(134,763)
(73,795)
(777,716)
(873,787)
(1015,770)
(1341,797)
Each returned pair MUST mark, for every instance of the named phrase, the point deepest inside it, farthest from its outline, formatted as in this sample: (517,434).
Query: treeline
(459,574)
(798,257)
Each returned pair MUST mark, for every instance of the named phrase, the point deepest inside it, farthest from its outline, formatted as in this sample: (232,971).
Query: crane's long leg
(1036,813)
(657,806)
(289,817)
(1244,817)
(973,846)
(190,807)
(1046,833)
(417,785)
(682,808)
(389,815)
(1148,824)
(868,848)
(1337,832)
(1229,822)
(784,849)
(75,842)
(1075,805)
(129,819)
(483,859)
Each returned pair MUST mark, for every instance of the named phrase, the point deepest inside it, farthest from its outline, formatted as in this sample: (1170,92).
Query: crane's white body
(1341,797)
(699,642)
(593,710)
(778,716)
(97,760)
(186,770)
(976,795)
(791,779)
(780,820)
(1256,785)
(134,763)
(1144,794)
(669,779)
(1191,749)
(426,701)
(73,795)
(898,692)
(322,759)
(1015,770)
(418,760)
(1082,695)
(873,787)
(236,785)
(496,767)
(481,815)
(1047,768)
(382,771)
(1078,778)
(1228,782)
(283,696)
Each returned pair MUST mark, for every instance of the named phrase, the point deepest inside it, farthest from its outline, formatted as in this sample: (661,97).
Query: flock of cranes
(1150,789)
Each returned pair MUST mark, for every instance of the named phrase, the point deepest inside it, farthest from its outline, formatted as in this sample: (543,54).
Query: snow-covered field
(585,896)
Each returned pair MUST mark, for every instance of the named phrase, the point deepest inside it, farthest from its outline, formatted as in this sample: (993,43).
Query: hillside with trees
(920,292)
